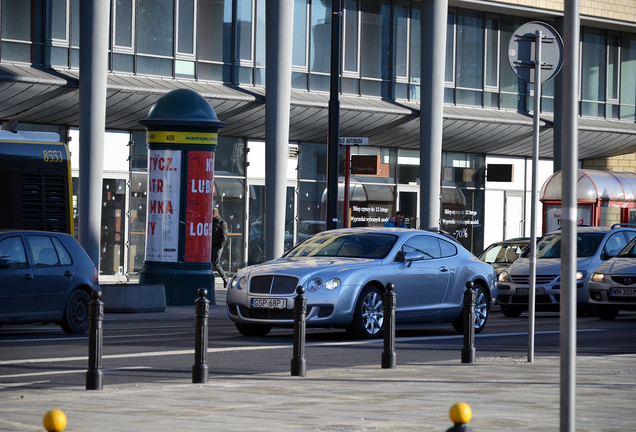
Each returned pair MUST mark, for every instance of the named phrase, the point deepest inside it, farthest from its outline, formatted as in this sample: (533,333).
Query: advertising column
(182,136)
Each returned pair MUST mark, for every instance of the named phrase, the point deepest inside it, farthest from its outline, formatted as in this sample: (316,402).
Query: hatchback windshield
(550,245)
(359,245)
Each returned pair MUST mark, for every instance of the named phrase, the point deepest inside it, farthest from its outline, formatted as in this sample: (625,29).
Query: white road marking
(86,337)
(273,347)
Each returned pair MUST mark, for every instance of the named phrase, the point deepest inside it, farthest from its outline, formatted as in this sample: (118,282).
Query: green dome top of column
(183,107)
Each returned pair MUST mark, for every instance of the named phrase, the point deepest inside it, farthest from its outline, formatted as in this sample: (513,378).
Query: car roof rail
(623,225)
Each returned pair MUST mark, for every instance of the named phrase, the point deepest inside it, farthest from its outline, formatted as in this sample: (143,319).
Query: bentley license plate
(526,291)
(263,303)
(625,292)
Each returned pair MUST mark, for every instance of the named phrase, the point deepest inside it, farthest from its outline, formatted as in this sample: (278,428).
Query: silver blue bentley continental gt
(345,273)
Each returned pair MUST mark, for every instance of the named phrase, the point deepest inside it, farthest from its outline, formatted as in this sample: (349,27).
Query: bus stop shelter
(603,197)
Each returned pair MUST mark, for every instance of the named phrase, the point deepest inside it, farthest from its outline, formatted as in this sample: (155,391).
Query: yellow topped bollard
(460,414)
(54,420)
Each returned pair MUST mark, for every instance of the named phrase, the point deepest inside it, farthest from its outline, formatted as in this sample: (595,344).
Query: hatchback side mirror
(5,263)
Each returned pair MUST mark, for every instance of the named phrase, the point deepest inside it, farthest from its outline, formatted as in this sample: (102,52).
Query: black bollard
(201,312)
(95,342)
(298,364)
(389,358)
(468,351)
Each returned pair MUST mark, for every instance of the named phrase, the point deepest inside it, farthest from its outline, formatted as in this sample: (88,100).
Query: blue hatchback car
(45,277)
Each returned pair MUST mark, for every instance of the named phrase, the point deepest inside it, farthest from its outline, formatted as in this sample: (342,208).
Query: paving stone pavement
(505,394)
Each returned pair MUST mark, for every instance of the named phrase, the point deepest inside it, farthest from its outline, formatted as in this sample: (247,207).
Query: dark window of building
(628,72)
(511,87)
(299,44)
(230,156)
(244,30)
(416,52)
(16,25)
(155,27)
(470,59)
(593,60)
(214,30)
(400,40)
(375,40)
(123,23)
(350,36)
(320,41)
(185,34)
(449,70)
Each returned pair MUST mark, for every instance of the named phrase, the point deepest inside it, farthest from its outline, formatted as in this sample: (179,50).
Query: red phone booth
(604,198)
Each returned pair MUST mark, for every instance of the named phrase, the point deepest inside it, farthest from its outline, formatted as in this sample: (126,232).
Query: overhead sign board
(349,141)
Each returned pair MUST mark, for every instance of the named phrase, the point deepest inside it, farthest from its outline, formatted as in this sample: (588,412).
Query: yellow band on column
(182,137)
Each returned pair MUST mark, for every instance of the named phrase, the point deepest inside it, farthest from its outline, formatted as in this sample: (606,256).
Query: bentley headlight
(580,274)
(242,283)
(598,277)
(332,283)
(504,276)
(314,284)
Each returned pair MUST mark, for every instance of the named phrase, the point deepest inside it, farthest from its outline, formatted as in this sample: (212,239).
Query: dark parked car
(45,277)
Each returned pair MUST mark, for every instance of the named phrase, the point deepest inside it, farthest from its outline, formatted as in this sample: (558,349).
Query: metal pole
(389,357)
(533,202)
(347,174)
(468,350)
(569,211)
(298,363)
(334,118)
(94,373)
(201,312)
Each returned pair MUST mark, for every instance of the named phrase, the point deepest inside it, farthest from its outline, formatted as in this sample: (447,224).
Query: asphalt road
(143,348)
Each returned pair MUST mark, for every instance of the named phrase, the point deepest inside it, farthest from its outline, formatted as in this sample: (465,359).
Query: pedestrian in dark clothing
(219,237)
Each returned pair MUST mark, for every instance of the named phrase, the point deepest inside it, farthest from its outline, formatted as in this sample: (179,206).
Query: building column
(433,60)
(92,123)
(279,18)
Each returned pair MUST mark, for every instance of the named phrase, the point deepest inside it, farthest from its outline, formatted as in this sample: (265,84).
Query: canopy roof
(594,185)
(51,96)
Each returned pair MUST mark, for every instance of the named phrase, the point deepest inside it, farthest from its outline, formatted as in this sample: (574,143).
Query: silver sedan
(345,273)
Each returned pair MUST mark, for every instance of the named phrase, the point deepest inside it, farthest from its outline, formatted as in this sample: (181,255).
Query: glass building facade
(223,42)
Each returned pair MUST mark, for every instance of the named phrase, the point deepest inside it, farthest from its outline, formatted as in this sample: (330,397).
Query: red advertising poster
(198,229)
